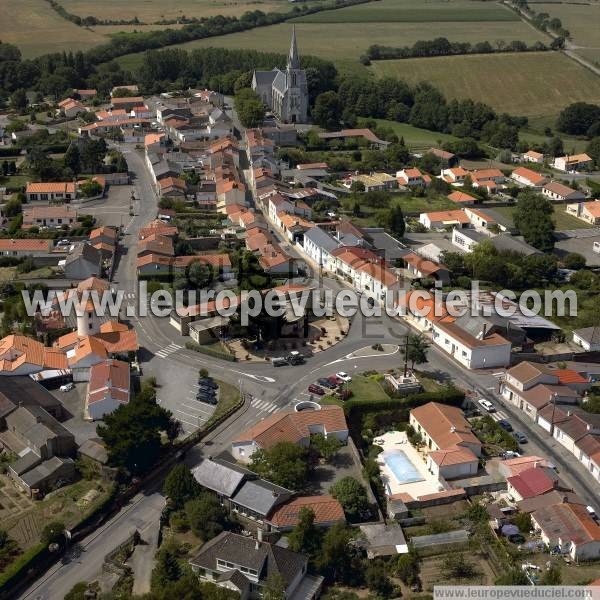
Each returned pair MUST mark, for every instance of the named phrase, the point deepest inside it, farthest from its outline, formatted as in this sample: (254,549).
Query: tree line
(89,21)
(441,46)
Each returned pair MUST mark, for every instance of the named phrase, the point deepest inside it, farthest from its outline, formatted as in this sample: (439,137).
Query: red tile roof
(325,508)
(532,482)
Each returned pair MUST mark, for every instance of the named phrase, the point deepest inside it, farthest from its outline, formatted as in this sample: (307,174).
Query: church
(285,92)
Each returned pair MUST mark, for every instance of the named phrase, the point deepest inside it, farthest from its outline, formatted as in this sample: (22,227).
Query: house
(478,218)
(531,483)
(326,509)
(412,178)
(290,426)
(483,175)
(71,108)
(222,477)
(349,134)
(156,244)
(83,261)
(45,476)
(127,103)
(172,187)
(574,427)
(444,218)
(108,388)
(575,162)
(25,247)
(532,156)
(528,177)
(87,352)
(420,268)
(20,355)
(257,498)
(63,191)
(561,193)
(104,235)
(377,279)
(52,217)
(462,198)
(454,175)
(447,159)
(442,426)
(570,529)
(586,211)
(588,338)
(244,565)
(375,182)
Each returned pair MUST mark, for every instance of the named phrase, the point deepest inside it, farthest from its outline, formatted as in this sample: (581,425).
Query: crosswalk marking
(263,405)
(168,350)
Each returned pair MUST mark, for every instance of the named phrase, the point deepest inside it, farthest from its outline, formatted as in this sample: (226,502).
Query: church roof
(280,81)
(293,57)
(265,77)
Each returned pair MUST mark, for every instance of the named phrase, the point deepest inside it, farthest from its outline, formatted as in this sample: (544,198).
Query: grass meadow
(523,84)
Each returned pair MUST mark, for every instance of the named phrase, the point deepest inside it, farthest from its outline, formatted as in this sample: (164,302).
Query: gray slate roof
(260,496)
(321,239)
(264,77)
(26,462)
(589,334)
(513,244)
(220,476)
(85,252)
(46,469)
(247,552)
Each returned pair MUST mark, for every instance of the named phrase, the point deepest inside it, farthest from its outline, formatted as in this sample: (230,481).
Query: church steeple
(293,57)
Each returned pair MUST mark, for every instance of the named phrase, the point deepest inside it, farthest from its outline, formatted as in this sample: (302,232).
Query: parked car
(505,425)
(486,405)
(509,454)
(207,400)
(208,382)
(316,389)
(344,376)
(324,381)
(335,380)
(295,358)
(520,437)
(279,361)
(67,387)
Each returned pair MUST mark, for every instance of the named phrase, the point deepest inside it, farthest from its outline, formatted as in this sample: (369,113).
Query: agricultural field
(583,22)
(414,11)
(151,11)
(345,42)
(36,29)
(414,137)
(536,83)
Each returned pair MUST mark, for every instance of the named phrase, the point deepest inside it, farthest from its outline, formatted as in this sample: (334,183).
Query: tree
(328,110)
(132,432)
(396,221)
(338,558)
(574,261)
(456,566)
(206,516)
(357,186)
(72,159)
(305,537)
(18,100)
(577,118)
(77,592)
(352,495)
(274,588)
(407,567)
(551,576)
(377,579)
(166,568)
(284,464)
(415,350)
(533,216)
(180,486)
(249,107)
(53,533)
(200,275)
(90,188)
(4,168)
(593,150)
(523,522)
(325,446)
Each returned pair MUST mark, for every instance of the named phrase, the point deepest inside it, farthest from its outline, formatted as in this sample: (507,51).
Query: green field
(414,137)
(414,11)
(344,43)
(36,29)
(151,11)
(536,83)
(563,221)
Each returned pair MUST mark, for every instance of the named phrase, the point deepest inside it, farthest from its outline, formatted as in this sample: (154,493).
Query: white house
(532,156)
(109,388)
(588,338)
(575,162)
(454,176)
(444,218)
(528,178)
(561,193)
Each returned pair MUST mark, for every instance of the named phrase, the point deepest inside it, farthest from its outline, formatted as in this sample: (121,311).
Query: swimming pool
(401,466)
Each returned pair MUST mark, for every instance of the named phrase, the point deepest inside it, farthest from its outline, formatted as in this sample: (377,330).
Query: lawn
(563,221)
(367,388)
(572,145)
(413,11)
(522,84)
(36,29)
(414,137)
(344,43)
(228,397)
(12,182)
(151,11)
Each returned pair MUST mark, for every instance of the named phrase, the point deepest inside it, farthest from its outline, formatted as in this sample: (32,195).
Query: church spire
(293,57)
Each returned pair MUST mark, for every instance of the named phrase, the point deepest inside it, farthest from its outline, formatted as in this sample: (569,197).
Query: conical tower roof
(293,57)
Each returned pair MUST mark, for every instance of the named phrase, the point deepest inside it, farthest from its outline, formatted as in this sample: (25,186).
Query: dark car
(208,382)
(326,383)
(204,386)
(205,394)
(335,380)
(516,538)
(207,400)
(520,437)
(505,425)
(316,389)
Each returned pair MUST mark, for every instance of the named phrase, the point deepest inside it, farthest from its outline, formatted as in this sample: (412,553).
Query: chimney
(259,535)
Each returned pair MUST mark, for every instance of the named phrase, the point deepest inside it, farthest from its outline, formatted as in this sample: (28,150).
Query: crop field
(414,11)
(523,84)
(344,43)
(36,29)
(151,11)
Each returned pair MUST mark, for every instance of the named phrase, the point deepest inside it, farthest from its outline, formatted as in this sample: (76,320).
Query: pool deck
(397,440)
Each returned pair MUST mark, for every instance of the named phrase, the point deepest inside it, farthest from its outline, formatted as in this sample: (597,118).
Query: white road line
(493,387)
(194,408)
(272,409)
(498,374)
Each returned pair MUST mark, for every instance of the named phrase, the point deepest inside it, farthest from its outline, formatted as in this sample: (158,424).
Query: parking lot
(113,209)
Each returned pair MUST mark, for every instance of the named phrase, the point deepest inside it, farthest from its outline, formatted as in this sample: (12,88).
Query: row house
(63,191)
(52,217)
(528,178)
(559,192)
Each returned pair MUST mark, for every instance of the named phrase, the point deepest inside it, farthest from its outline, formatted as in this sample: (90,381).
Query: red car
(335,380)
(313,388)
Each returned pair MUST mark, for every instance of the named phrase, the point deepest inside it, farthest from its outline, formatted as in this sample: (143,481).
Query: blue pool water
(401,466)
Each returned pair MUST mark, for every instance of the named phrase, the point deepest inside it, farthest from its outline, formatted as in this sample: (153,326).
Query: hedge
(210,351)
(24,561)
(451,396)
